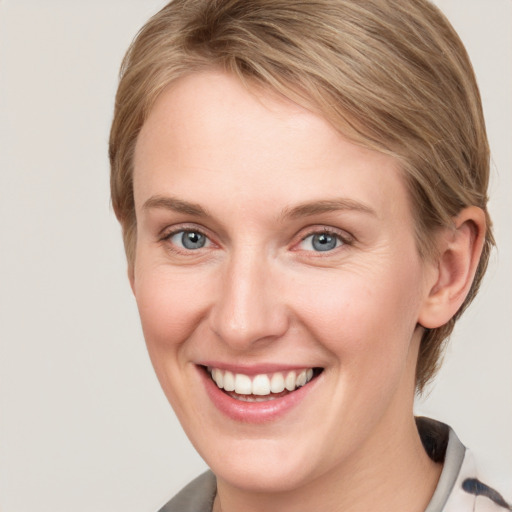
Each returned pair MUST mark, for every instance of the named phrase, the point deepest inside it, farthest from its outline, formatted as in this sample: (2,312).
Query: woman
(302,189)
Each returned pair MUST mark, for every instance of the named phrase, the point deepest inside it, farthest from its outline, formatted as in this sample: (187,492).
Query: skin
(258,293)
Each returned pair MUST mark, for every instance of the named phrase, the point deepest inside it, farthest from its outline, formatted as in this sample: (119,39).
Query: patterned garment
(459,488)
(471,494)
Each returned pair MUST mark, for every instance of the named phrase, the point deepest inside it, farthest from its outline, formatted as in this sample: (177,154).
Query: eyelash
(167,237)
(344,239)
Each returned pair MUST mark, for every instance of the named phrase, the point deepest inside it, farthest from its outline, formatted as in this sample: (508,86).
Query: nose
(249,311)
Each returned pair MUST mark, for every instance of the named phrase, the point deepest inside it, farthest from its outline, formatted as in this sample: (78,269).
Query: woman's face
(275,255)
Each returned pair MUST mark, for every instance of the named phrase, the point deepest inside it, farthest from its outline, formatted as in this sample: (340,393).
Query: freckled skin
(258,292)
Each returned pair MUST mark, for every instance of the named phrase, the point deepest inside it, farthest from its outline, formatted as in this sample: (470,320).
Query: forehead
(207,128)
(207,107)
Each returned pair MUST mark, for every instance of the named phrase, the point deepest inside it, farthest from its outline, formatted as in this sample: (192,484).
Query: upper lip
(255,369)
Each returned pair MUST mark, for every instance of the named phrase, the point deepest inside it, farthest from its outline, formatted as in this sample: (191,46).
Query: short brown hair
(392,75)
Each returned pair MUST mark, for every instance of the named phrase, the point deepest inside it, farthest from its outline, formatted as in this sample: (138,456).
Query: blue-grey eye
(321,242)
(190,240)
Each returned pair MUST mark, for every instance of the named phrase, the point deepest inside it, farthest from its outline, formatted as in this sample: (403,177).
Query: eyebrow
(325,206)
(175,205)
(307,209)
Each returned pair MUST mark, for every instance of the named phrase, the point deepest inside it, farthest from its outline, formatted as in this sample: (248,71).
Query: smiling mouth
(261,387)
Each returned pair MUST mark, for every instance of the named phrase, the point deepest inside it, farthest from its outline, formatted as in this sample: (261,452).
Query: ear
(459,249)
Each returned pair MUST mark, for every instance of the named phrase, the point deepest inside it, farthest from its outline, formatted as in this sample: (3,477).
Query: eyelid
(169,231)
(345,237)
(166,234)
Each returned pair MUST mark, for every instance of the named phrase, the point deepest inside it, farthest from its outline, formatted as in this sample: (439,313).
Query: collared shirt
(459,488)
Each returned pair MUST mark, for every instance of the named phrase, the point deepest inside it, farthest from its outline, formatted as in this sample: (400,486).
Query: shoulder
(197,496)
(462,486)
(474,492)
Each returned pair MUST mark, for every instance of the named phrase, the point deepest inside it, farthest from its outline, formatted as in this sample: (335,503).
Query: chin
(261,475)
(261,465)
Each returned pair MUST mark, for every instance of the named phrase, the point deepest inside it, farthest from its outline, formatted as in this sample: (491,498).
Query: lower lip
(253,412)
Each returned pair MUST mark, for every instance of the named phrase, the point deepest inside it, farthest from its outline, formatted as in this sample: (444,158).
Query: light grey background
(83,423)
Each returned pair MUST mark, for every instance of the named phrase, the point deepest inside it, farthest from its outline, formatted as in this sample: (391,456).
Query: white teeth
(218,377)
(301,378)
(229,381)
(277,382)
(260,385)
(289,382)
(243,384)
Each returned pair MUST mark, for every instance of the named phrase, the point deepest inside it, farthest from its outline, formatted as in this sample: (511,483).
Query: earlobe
(459,250)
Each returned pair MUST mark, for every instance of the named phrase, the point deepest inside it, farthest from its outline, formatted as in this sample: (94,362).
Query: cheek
(170,306)
(364,316)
